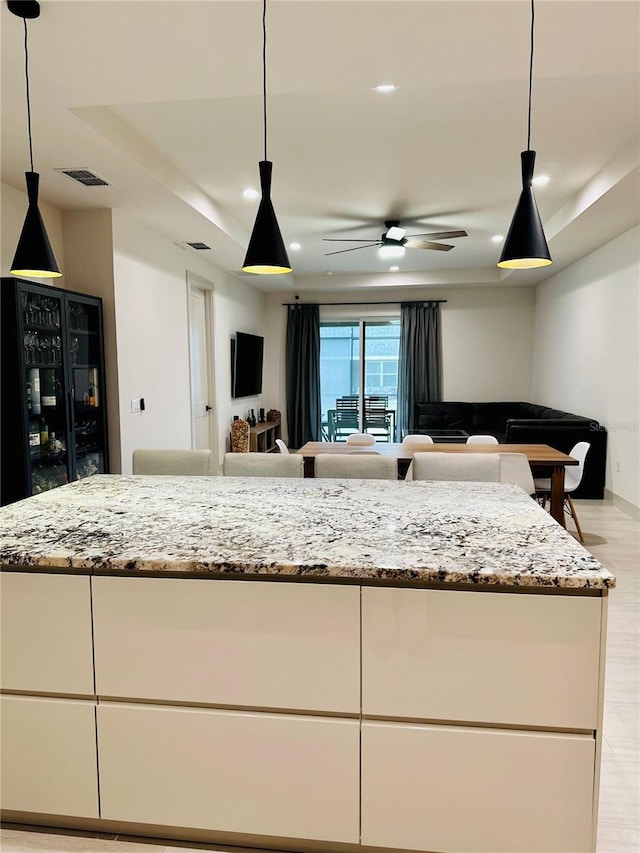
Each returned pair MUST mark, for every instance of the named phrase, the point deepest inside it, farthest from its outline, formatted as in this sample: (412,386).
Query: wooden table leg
(557,494)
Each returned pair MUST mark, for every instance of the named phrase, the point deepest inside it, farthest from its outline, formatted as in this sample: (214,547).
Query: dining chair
(463,467)
(515,468)
(359,466)
(572,479)
(185,462)
(414,438)
(262,465)
(482,439)
(361,438)
(282,446)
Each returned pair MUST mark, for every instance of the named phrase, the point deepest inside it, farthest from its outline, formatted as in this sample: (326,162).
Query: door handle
(207,408)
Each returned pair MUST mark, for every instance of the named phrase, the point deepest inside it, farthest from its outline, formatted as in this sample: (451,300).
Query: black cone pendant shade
(525,246)
(266,254)
(34,256)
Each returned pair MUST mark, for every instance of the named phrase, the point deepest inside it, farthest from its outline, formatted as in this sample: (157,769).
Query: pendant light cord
(533,16)
(264,72)
(26,74)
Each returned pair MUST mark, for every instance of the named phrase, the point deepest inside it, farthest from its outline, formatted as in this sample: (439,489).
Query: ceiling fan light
(395,233)
(34,256)
(266,254)
(525,246)
(388,251)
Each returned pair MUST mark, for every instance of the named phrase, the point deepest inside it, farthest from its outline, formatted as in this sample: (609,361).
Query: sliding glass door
(359,378)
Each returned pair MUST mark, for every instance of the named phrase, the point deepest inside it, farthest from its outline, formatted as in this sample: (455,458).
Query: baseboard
(623,505)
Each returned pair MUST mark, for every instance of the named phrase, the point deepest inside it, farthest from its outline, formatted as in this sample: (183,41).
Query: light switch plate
(135,405)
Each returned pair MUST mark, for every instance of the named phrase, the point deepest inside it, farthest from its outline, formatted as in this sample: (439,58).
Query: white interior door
(201,354)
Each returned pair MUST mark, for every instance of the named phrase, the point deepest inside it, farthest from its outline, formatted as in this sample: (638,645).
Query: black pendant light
(266,254)
(526,246)
(34,256)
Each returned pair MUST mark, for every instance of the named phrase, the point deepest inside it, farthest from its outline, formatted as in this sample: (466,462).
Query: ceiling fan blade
(425,244)
(355,249)
(441,235)
(348,240)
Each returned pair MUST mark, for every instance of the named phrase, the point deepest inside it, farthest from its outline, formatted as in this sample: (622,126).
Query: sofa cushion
(442,415)
(492,417)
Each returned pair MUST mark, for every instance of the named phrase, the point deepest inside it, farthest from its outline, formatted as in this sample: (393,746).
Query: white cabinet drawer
(476,790)
(46,633)
(49,762)
(481,657)
(243,643)
(268,774)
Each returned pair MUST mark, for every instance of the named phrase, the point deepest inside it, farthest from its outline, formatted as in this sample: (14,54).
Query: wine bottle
(34,434)
(49,389)
(44,431)
(93,386)
(34,381)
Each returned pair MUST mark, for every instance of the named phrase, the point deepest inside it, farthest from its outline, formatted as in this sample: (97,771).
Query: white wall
(487,337)
(13,209)
(151,305)
(587,358)
(88,245)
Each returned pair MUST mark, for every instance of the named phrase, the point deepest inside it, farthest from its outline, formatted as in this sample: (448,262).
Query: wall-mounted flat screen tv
(246,365)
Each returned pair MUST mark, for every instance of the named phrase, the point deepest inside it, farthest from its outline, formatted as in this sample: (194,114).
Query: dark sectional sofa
(524,423)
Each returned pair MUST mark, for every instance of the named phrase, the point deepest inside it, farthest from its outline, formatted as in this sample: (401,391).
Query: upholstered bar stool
(463,467)
(263,465)
(186,462)
(356,466)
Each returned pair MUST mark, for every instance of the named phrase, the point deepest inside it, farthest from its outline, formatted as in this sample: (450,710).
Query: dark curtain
(420,366)
(304,418)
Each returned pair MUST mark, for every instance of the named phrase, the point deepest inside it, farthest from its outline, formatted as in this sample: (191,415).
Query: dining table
(539,456)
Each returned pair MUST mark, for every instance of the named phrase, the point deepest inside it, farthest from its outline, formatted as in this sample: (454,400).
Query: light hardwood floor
(614,539)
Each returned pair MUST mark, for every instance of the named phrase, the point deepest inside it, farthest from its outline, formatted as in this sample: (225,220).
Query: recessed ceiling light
(541,180)
(385,88)
(295,246)
(394,269)
(328,272)
(250,194)
(497,238)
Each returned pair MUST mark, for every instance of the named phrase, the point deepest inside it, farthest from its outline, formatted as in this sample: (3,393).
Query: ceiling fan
(395,240)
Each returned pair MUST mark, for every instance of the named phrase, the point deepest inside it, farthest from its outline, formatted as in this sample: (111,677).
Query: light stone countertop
(485,534)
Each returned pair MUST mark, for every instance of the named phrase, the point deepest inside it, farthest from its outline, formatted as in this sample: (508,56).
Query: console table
(262,437)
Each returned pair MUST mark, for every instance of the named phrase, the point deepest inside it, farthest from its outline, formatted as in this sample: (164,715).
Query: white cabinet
(413,719)
(268,774)
(482,657)
(476,790)
(248,644)
(49,761)
(46,633)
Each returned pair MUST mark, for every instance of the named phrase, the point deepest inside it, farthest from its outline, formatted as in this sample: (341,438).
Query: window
(355,355)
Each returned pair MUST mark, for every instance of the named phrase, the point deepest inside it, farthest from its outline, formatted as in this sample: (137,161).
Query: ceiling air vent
(199,246)
(85,177)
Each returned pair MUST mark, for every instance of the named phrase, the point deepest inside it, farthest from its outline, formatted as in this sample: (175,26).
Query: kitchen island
(302,664)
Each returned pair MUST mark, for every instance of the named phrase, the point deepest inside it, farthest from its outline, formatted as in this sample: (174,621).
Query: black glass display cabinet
(54,416)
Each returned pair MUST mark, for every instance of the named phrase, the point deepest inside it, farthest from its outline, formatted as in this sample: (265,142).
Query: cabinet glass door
(87,389)
(45,389)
